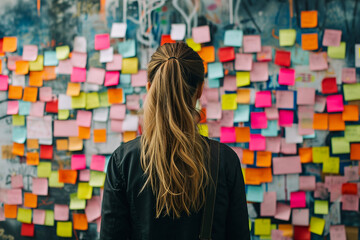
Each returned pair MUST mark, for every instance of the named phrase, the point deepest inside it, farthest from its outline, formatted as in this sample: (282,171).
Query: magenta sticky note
(45,94)
(83,118)
(335,103)
(61,212)
(112,78)
(263,99)
(348,75)
(305,96)
(257,142)
(286,76)
(286,165)
(17,181)
(78,161)
(30,52)
(12,108)
(286,118)
(116,125)
(97,162)
(227,135)
(39,216)
(268,206)
(252,43)
(213,110)
(332,37)
(230,83)
(37,109)
(258,120)
(78,59)
(78,75)
(40,186)
(259,72)
(298,199)
(283,211)
(243,62)
(4,82)
(300,217)
(65,67)
(84,175)
(96,76)
(201,34)
(307,183)
(284,99)
(139,79)
(102,41)
(318,61)
(115,64)
(14,196)
(117,112)
(93,208)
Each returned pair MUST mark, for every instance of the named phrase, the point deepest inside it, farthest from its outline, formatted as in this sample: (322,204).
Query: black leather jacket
(126,214)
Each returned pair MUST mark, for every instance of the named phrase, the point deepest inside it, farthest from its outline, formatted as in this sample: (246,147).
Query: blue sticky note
(24,108)
(215,70)
(242,113)
(233,38)
(125,79)
(214,83)
(271,130)
(19,134)
(255,193)
(127,48)
(50,58)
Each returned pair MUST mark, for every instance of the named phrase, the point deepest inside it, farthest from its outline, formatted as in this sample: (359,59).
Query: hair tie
(171,58)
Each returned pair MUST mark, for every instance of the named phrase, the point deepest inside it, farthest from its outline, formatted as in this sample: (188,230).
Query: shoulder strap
(207,220)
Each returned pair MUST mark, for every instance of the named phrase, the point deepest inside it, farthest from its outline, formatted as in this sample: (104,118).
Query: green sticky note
(320,154)
(340,145)
(18,120)
(76,203)
(337,52)
(84,190)
(352,133)
(64,229)
(321,207)
(262,226)
(351,91)
(54,180)
(104,99)
(97,179)
(38,64)
(242,79)
(78,101)
(62,52)
(195,46)
(49,218)
(92,100)
(228,101)
(331,165)
(24,215)
(287,37)
(317,225)
(63,114)
(44,169)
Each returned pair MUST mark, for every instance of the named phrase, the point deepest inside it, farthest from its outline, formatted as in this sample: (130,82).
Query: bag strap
(207,220)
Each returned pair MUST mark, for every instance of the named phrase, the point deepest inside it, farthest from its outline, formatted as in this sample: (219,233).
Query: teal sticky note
(233,38)
(309,136)
(24,108)
(271,130)
(127,90)
(50,58)
(214,83)
(242,113)
(127,48)
(255,193)
(299,56)
(19,134)
(215,70)
(125,79)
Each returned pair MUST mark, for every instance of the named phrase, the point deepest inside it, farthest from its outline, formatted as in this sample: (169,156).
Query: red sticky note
(102,41)
(258,120)
(328,85)
(78,161)
(263,99)
(298,199)
(349,188)
(227,135)
(243,61)
(166,39)
(46,151)
(286,118)
(226,54)
(52,107)
(286,76)
(257,142)
(301,233)
(78,74)
(283,58)
(335,103)
(27,230)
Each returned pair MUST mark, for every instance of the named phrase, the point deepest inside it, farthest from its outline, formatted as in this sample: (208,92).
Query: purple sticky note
(96,76)
(258,120)
(268,206)
(117,112)
(286,76)
(139,79)
(298,199)
(39,216)
(102,41)
(12,107)
(40,186)
(17,181)
(263,99)
(61,212)
(14,196)
(305,96)
(257,142)
(78,75)
(243,62)
(227,135)
(115,64)
(201,34)
(97,162)
(78,161)
(83,118)
(286,118)
(282,212)
(259,72)
(348,75)
(4,82)
(286,165)
(284,99)
(300,217)
(112,78)
(332,37)
(252,43)
(335,103)
(318,61)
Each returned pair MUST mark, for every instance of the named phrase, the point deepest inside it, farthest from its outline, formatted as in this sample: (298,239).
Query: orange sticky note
(128,136)
(15,92)
(115,95)
(256,176)
(243,96)
(22,67)
(287,230)
(305,155)
(99,135)
(80,221)
(18,149)
(32,158)
(30,200)
(350,113)
(320,121)
(62,144)
(49,73)
(67,176)
(32,143)
(309,41)
(248,157)
(263,159)
(207,54)
(242,134)
(205,67)
(84,132)
(9,44)
(30,94)
(36,79)
(10,211)
(309,19)
(75,144)
(336,123)
(73,89)
(355,151)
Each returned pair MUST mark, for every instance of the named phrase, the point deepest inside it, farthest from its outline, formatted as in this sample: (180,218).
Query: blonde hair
(173,153)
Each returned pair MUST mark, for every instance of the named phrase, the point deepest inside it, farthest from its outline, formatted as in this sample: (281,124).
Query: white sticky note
(107,55)
(80,44)
(178,31)
(118,30)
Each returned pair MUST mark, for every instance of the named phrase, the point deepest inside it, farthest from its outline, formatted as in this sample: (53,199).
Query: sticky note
(12,108)
(283,58)
(50,59)
(115,95)
(207,54)
(337,232)
(233,38)
(348,75)
(114,65)
(309,41)
(309,19)
(201,34)
(242,113)
(54,180)
(78,59)
(4,82)
(76,203)
(15,92)
(99,135)
(268,206)
(230,83)
(84,190)
(49,218)
(287,37)
(9,44)
(195,46)
(265,55)
(228,101)
(305,96)
(331,165)
(80,221)
(24,215)
(317,225)
(259,72)
(263,99)
(63,114)
(17,181)
(297,199)
(242,79)
(262,226)
(257,142)
(318,61)
(10,211)
(38,216)
(40,186)
(286,76)
(227,135)
(307,183)
(248,155)
(127,48)
(332,37)
(351,91)
(107,55)
(215,70)
(44,169)
(30,94)
(78,101)
(78,161)
(93,210)
(320,154)
(49,73)
(130,65)
(271,130)
(97,179)
(27,230)
(283,211)
(64,229)
(61,212)
(286,118)
(226,54)
(255,193)
(102,41)
(96,76)
(300,217)
(30,200)
(340,145)
(258,120)
(22,67)
(62,52)
(36,79)
(335,103)
(118,30)
(284,99)
(30,52)
(350,113)
(97,163)
(321,207)
(252,43)
(337,52)
(78,75)
(243,62)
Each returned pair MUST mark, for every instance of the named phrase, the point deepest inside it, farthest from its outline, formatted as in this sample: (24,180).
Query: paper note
(286,76)
(93,208)
(300,217)
(268,206)
(99,135)
(62,52)
(309,19)
(340,145)
(331,165)
(106,55)
(9,44)
(263,99)
(39,216)
(226,54)
(255,193)
(78,59)
(284,99)
(321,207)
(61,212)
(350,202)
(97,163)
(78,74)
(215,70)
(118,30)
(84,190)
(305,96)
(297,199)
(337,232)
(337,52)
(262,226)
(102,41)
(4,82)
(228,102)
(348,75)
(286,118)
(80,44)
(40,186)
(283,212)
(259,72)
(351,91)
(286,165)
(243,62)
(64,229)
(76,203)
(227,135)
(320,154)
(178,31)
(252,43)
(139,79)
(242,113)
(24,215)
(318,61)
(54,180)
(335,103)
(309,41)
(287,37)
(44,169)
(201,34)
(50,58)
(49,218)
(283,58)
(317,225)
(97,179)
(332,37)
(130,65)
(258,120)
(257,142)
(242,79)
(195,46)
(307,183)
(78,161)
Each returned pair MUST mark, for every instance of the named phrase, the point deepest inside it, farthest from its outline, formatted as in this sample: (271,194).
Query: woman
(155,187)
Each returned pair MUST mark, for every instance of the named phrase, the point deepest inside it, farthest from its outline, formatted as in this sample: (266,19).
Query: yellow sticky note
(78,101)
(73,89)
(24,215)
(339,145)
(38,64)
(287,37)
(44,169)
(331,165)
(92,100)
(203,129)
(75,144)
(317,225)
(76,203)
(84,190)
(62,52)
(321,207)
(337,52)
(130,65)
(262,226)
(242,79)
(64,229)
(351,91)
(63,114)
(54,180)
(18,120)
(97,179)
(49,218)
(320,154)
(352,133)
(228,101)
(195,46)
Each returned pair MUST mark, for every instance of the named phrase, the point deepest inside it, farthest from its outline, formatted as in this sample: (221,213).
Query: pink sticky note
(230,83)
(30,52)
(213,110)
(318,61)
(139,79)
(102,41)
(17,181)
(337,232)
(39,216)
(93,208)
(78,75)
(351,173)
(4,82)
(243,62)
(259,72)
(263,99)
(287,148)
(335,103)
(83,118)
(286,118)
(117,112)
(133,102)
(305,96)
(286,76)
(14,196)
(112,78)
(78,161)
(307,183)
(78,59)
(96,76)
(11,63)
(115,64)
(65,67)
(84,175)
(350,202)
(300,217)
(227,135)
(257,142)
(258,120)
(116,125)
(98,222)
(298,199)
(284,99)
(265,55)
(12,108)
(273,144)
(45,94)
(272,113)
(61,212)
(214,129)
(286,165)
(201,34)
(252,43)
(37,109)
(268,206)
(332,37)
(227,119)
(348,75)
(97,162)
(321,191)
(212,94)
(282,212)
(66,128)
(40,186)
